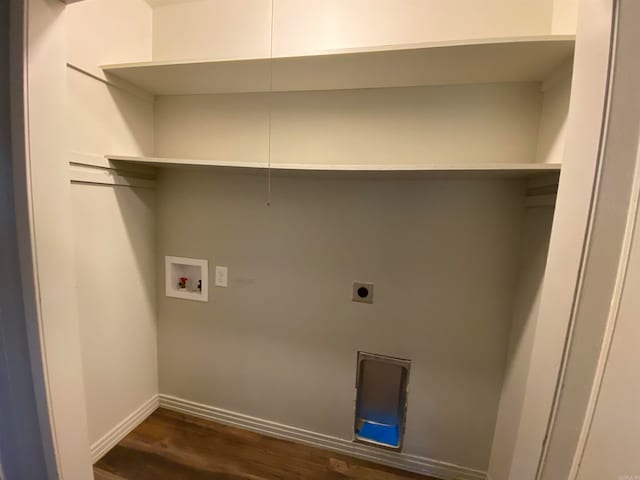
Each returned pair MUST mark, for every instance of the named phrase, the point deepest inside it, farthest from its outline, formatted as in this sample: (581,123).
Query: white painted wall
(553,118)
(114,233)
(280,342)
(105,118)
(564,19)
(426,125)
(100,32)
(240,29)
(113,227)
(313,25)
(533,258)
(212,29)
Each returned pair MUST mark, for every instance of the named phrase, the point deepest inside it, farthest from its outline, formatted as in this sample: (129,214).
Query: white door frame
(570,238)
(43,217)
(613,224)
(25,438)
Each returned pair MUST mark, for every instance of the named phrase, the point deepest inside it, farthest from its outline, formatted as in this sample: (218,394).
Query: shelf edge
(381,168)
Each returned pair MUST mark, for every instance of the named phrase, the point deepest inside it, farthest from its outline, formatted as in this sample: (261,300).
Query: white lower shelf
(502,169)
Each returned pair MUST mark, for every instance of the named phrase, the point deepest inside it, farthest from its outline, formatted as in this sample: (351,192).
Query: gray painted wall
(280,342)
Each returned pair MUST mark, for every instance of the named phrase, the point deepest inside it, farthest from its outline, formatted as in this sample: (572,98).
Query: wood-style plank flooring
(173,446)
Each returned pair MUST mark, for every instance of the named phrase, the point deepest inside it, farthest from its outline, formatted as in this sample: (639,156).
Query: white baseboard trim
(122,429)
(412,463)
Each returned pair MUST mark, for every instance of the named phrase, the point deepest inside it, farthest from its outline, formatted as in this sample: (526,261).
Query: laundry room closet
(323,221)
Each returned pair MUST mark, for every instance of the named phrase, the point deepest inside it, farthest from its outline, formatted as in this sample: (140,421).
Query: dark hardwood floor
(173,446)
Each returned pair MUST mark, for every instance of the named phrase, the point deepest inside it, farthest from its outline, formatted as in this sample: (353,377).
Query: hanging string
(270,108)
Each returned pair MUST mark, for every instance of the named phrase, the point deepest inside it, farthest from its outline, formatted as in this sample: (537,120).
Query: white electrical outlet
(221,276)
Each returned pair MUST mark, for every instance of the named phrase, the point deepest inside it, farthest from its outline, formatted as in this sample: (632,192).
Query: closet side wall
(533,258)
(538,221)
(553,119)
(114,226)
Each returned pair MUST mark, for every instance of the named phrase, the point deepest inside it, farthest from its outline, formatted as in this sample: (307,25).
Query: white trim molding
(612,320)
(100,448)
(404,461)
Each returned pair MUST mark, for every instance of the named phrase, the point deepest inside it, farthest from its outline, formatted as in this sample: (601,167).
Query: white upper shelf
(493,169)
(482,61)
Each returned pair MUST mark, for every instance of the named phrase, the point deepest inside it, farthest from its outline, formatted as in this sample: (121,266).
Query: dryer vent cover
(381,400)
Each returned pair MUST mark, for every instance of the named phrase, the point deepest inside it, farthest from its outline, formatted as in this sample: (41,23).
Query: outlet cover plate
(222,275)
